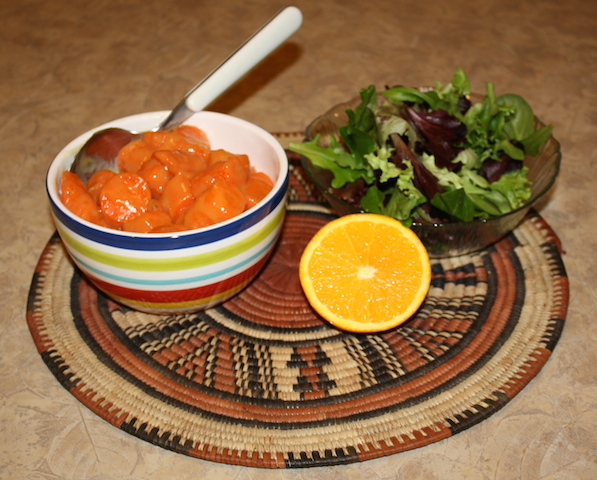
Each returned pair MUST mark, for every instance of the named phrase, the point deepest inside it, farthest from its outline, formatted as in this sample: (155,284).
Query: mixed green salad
(432,156)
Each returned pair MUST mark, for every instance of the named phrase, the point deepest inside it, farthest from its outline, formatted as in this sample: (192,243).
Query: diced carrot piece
(124,197)
(201,182)
(155,204)
(185,138)
(197,138)
(179,161)
(177,196)
(97,181)
(217,155)
(147,221)
(156,140)
(235,169)
(256,189)
(156,175)
(195,218)
(170,228)
(223,200)
(77,199)
(165,141)
(133,155)
(264,177)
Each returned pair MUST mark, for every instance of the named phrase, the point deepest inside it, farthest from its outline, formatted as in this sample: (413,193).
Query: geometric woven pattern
(262,381)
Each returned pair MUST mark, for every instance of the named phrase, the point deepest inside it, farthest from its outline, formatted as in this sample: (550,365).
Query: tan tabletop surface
(67,66)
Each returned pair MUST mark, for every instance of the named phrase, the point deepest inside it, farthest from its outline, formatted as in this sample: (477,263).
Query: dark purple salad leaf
(492,170)
(352,192)
(424,180)
(464,103)
(440,133)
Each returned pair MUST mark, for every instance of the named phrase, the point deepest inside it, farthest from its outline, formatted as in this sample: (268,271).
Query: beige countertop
(68,66)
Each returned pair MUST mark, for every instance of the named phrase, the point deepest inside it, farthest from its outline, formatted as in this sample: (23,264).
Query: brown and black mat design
(262,381)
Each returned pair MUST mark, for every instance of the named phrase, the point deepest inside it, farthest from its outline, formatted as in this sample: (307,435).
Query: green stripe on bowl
(148,264)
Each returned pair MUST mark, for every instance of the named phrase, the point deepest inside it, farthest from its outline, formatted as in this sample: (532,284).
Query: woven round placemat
(262,381)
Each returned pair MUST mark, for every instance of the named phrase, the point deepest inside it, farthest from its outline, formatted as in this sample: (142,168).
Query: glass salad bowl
(441,239)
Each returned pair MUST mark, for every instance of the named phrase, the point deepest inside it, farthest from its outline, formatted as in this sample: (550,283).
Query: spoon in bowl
(101,150)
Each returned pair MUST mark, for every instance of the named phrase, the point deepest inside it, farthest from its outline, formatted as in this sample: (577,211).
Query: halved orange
(365,272)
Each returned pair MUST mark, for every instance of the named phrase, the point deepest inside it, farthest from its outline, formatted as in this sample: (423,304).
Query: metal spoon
(101,150)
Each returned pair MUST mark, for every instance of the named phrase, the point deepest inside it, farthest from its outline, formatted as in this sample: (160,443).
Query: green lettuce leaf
(521,122)
(455,203)
(535,140)
(379,160)
(515,187)
(409,94)
(398,202)
(341,163)
(360,133)
(450,94)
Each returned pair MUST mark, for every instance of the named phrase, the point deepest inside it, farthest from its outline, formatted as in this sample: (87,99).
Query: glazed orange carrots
(177,196)
(256,188)
(147,221)
(167,182)
(133,155)
(223,200)
(78,200)
(97,181)
(124,197)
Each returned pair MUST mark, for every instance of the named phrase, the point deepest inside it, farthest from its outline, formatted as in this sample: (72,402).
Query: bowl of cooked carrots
(186,220)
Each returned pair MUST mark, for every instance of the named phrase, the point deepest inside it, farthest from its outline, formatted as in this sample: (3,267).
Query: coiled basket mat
(262,381)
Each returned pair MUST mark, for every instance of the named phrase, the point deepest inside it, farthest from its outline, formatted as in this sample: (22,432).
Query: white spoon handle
(245,57)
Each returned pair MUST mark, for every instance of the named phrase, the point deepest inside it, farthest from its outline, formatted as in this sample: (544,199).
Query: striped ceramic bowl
(186,271)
